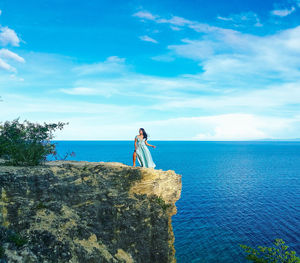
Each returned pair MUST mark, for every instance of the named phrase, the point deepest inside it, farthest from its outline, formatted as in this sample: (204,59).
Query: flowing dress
(143,154)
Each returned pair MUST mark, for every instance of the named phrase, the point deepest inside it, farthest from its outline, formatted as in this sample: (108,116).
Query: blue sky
(183,70)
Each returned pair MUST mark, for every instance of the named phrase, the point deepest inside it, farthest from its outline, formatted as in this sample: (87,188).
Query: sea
(232,192)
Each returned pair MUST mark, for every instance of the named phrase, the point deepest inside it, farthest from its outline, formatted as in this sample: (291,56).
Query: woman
(141,151)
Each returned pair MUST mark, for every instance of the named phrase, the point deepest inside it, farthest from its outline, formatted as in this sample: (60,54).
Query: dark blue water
(233,192)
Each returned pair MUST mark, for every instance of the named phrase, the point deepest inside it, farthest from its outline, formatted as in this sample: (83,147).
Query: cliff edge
(87,212)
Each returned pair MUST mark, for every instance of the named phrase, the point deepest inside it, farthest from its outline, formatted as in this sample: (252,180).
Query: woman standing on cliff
(141,150)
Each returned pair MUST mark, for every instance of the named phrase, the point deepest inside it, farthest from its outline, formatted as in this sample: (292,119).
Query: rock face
(87,212)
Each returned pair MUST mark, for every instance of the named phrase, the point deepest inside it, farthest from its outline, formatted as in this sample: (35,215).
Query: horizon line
(256,140)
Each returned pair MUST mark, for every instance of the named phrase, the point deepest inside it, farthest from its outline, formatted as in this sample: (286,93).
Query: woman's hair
(145,135)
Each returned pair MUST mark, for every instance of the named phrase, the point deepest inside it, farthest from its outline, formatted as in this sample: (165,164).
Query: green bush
(27,143)
(40,205)
(277,254)
(17,239)
(1,252)
(161,202)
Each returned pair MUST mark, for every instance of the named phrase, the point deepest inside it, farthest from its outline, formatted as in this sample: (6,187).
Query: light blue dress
(143,154)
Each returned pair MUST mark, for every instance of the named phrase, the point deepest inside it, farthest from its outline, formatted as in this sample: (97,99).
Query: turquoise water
(232,193)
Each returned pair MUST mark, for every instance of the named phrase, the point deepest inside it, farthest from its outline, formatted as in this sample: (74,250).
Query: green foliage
(17,239)
(276,254)
(27,143)
(162,203)
(40,205)
(1,252)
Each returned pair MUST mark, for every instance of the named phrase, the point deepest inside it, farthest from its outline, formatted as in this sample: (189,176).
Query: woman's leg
(134,158)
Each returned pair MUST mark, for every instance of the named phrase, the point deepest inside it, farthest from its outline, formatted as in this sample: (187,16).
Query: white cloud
(283,12)
(272,99)
(178,22)
(194,49)
(39,106)
(111,65)
(145,15)
(6,66)
(175,28)
(243,127)
(115,59)
(7,54)
(230,55)
(175,20)
(8,36)
(96,121)
(238,126)
(242,19)
(79,91)
(148,39)
(137,85)
(233,95)
(87,91)
(225,18)
(102,120)
(195,25)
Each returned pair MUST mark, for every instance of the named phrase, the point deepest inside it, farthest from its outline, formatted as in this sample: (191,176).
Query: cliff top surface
(146,180)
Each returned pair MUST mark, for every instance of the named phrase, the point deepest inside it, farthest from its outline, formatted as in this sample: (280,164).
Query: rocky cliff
(87,212)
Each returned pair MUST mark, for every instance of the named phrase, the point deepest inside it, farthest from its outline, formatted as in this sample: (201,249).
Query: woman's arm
(149,144)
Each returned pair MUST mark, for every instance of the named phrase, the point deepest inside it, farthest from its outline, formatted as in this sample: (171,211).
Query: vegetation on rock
(1,251)
(161,202)
(276,254)
(17,239)
(12,239)
(27,143)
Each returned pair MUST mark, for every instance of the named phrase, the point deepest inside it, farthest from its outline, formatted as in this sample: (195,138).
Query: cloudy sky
(183,70)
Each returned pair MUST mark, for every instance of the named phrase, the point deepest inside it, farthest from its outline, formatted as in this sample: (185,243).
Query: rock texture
(87,212)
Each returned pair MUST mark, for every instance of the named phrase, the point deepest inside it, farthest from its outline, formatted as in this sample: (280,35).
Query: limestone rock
(87,212)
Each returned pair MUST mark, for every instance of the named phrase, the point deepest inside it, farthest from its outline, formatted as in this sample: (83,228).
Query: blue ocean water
(233,192)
